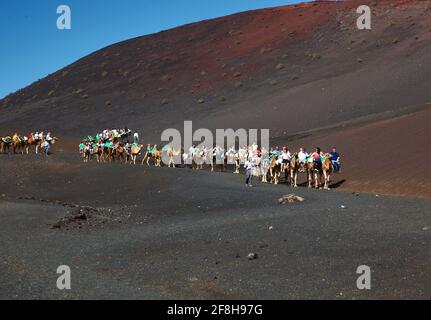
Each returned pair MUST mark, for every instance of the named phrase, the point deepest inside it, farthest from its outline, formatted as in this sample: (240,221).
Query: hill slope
(290,69)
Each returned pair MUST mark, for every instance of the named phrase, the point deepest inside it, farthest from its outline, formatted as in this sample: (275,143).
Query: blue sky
(32,47)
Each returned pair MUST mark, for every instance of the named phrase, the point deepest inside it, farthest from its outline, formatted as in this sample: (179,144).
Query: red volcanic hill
(304,71)
(291,69)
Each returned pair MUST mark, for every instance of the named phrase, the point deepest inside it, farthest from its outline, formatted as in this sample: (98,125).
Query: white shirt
(249,165)
(302,156)
(286,155)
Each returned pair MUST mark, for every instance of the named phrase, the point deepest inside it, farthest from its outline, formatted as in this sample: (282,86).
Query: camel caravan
(17,143)
(113,145)
(268,165)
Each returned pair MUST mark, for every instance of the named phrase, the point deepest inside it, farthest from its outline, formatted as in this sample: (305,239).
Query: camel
(87,152)
(312,172)
(285,167)
(327,169)
(198,159)
(172,153)
(107,151)
(98,151)
(120,152)
(264,166)
(233,158)
(294,168)
(237,163)
(31,141)
(18,143)
(5,143)
(154,154)
(135,150)
(210,156)
(274,170)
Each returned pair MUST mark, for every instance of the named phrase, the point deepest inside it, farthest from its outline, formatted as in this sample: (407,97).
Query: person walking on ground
(45,147)
(249,173)
(186,160)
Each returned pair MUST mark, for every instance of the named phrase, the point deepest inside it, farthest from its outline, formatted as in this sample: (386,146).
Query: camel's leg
(316,177)
(326,187)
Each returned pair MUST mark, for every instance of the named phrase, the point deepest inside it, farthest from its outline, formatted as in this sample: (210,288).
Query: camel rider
(192,151)
(317,160)
(136,138)
(271,152)
(231,152)
(302,155)
(148,148)
(105,136)
(302,159)
(335,159)
(254,147)
(128,147)
(48,137)
(285,157)
(81,147)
